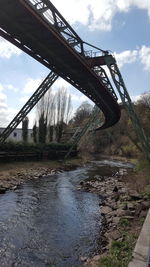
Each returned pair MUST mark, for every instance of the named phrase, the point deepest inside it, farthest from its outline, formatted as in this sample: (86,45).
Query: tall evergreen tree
(35,133)
(25,123)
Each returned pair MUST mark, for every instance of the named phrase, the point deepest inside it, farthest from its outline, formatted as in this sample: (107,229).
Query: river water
(48,222)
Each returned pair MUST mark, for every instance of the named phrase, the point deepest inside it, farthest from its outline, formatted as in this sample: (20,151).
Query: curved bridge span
(38,29)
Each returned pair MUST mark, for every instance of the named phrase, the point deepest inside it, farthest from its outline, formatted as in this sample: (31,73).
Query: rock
(105,210)
(116,220)
(134,195)
(3,190)
(131,206)
(143,213)
(128,217)
(97,257)
(83,258)
(115,189)
(121,212)
(145,205)
(116,196)
(114,235)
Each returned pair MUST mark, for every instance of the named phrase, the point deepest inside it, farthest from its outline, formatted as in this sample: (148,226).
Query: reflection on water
(48,222)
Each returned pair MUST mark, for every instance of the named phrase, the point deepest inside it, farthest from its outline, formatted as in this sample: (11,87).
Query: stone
(116,220)
(145,205)
(97,257)
(128,217)
(83,258)
(120,212)
(105,210)
(134,195)
(115,189)
(3,190)
(131,206)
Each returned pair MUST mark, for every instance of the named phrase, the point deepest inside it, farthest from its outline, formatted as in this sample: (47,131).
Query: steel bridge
(38,29)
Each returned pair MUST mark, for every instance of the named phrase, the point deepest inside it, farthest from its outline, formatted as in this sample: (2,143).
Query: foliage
(141,165)
(42,128)
(82,113)
(35,133)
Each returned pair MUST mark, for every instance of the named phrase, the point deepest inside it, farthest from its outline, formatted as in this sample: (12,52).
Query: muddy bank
(12,175)
(121,207)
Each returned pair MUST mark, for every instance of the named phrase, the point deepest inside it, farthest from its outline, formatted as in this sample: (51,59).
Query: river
(49,222)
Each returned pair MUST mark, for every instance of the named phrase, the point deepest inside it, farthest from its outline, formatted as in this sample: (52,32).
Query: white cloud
(141,54)
(12,88)
(31,85)
(135,98)
(97,14)
(24,99)
(126,57)
(7,49)
(3,107)
(144,55)
(59,83)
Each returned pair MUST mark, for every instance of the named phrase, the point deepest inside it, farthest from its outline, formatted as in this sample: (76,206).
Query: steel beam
(127,102)
(42,89)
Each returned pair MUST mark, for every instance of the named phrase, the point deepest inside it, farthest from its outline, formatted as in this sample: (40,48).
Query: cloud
(59,83)
(12,88)
(7,49)
(97,14)
(144,55)
(3,107)
(141,54)
(31,85)
(126,57)
(24,99)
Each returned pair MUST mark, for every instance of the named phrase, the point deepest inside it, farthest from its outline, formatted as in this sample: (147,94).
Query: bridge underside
(24,27)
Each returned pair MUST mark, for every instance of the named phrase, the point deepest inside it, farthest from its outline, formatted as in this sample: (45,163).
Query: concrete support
(140,253)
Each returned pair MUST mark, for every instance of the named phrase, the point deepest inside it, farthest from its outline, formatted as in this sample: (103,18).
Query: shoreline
(14,174)
(121,207)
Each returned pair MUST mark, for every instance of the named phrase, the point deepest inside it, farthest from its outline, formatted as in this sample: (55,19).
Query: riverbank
(14,174)
(124,206)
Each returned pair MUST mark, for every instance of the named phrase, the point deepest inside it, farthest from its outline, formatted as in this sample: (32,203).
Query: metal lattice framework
(126,100)
(91,124)
(41,31)
(42,89)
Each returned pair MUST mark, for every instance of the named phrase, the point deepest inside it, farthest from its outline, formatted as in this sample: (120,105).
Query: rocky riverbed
(13,175)
(120,205)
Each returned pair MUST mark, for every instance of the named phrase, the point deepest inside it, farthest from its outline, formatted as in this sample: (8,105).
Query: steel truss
(126,100)
(42,89)
(91,124)
(52,16)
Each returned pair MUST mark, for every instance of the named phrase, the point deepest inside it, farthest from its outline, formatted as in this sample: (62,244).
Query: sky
(120,26)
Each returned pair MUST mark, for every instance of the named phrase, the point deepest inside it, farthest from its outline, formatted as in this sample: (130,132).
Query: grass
(120,252)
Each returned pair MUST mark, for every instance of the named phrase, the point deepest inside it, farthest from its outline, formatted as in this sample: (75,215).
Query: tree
(35,133)
(53,113)
(82,113)
(25,129)
(42,128)
(63,110)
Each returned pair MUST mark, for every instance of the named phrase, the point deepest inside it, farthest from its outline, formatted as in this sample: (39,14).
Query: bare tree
(53,112)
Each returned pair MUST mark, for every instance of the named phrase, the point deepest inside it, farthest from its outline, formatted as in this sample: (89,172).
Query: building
(16,135)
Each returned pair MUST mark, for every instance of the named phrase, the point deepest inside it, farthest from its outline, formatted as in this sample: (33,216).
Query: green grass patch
(120,253)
